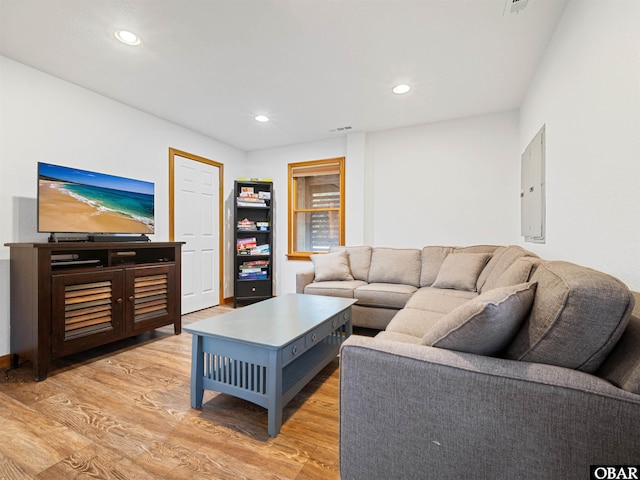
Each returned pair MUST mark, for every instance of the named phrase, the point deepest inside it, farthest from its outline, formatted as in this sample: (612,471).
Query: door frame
(172,153)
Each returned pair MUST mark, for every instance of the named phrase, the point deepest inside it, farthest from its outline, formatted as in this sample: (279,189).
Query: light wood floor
(122,412)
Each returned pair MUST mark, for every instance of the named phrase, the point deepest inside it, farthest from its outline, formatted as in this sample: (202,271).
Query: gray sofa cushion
(577,317)
(484,325)
(460,271)
(387,295)
(331,267)
(622,366)
(395,265)
(432,258)
(399,337)
(359,260)
(334,289)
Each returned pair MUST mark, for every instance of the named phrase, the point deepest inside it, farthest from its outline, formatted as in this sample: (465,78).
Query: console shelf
(68,297)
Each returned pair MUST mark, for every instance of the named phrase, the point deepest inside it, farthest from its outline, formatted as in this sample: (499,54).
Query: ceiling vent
(515,6)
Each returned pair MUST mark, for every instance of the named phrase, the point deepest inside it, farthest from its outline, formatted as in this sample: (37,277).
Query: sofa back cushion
(577,317)
(622,366)
(501,260)
(432,258)
(395,265)
(359,260)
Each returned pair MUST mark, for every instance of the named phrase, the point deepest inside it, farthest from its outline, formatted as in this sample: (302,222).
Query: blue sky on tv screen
(86,177)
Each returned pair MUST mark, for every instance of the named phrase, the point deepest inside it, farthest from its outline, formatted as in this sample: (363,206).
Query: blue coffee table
(268,351)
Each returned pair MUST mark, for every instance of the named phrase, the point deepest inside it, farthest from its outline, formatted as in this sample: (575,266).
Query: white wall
(448,183)
(587,92)
(273,163)
(43,118)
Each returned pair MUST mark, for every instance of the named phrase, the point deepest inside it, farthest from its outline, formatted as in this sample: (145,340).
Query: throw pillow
(460,271)
(331,266)
(517,272)
(486,324)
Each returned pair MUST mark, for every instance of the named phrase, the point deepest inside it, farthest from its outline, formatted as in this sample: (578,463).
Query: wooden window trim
(313,166)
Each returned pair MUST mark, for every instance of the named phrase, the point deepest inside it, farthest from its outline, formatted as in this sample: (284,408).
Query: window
(316,207)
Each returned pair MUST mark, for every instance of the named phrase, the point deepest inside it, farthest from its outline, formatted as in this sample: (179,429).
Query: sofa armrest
(411,411)
(303,279)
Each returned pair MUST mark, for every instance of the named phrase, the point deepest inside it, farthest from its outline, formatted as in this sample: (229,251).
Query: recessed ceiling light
(127,37)
(401,89)
(261,118)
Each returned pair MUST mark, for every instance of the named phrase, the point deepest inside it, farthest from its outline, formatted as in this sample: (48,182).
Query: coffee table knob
(313,337)
(334,323)
(294,350)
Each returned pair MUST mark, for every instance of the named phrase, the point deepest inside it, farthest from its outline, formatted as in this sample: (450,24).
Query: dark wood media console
(68,297)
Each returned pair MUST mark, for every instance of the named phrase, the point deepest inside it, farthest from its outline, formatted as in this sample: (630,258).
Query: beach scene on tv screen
(74,200)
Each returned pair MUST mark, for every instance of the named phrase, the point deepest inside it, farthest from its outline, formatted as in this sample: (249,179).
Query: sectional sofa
(490,363)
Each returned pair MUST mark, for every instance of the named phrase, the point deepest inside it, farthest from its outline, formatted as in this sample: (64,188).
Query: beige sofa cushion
(518,272)
(395,265)
(432,258)
(331,267)
(359,260)
(460,271)
(438,299)
(334,289)
(484,325)
(501,260)
(386,295)
(414,322)
(577,317)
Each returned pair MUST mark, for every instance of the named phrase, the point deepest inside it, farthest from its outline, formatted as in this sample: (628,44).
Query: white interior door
(196,222)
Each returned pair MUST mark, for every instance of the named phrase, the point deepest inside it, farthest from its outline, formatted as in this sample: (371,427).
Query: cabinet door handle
(119,300)
(131,298)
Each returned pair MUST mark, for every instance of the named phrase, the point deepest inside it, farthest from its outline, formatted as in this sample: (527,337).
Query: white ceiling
(310,65)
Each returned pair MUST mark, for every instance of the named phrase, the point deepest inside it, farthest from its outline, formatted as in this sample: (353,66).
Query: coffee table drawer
(317,335)
(293,350)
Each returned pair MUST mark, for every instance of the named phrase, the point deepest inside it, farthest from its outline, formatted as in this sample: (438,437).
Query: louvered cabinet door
(150,297)
(86,309)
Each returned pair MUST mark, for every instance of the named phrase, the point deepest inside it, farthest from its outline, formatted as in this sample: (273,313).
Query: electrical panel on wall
(532,190)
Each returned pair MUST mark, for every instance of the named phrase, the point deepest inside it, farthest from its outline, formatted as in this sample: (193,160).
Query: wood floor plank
(123,412)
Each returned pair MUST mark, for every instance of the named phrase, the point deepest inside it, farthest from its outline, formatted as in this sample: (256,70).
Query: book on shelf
(246,224)
(243,203)
(261,250)
(262,226)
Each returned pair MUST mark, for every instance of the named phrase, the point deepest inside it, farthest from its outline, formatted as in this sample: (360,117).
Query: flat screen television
(71,200)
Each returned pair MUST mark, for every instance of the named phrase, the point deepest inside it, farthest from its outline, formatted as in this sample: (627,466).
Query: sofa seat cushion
(414,322)
(460,271)
(387,295)
(484,325)
(398,337)
(334,289)
(439,300)
(577,317)
(395,265)
(331,267)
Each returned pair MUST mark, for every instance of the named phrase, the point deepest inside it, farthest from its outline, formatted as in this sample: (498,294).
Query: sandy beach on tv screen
(60,212)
